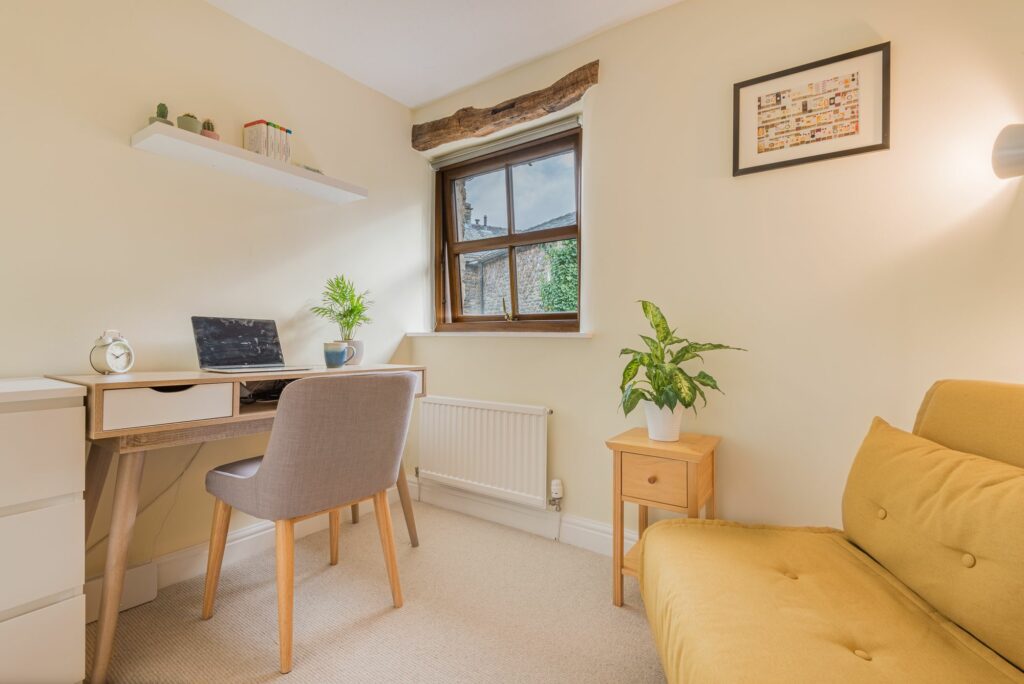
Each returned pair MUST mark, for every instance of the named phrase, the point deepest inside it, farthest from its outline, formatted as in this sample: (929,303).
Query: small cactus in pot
(161,115)
(209,130)
(190,122)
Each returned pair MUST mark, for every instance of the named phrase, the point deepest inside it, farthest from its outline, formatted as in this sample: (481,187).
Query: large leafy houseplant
(344,306)
(665,383)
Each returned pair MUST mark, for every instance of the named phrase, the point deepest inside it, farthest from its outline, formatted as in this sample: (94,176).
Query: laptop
(239,345)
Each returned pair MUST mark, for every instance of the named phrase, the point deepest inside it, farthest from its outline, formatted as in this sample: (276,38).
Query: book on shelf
(267,138)
(254,136)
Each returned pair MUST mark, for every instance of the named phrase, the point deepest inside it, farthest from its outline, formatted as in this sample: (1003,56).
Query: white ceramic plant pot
(662,423)
(358,357)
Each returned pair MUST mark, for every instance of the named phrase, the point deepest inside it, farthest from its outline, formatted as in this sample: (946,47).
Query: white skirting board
(528,519)
(591,535)
(142,582)
(569,529)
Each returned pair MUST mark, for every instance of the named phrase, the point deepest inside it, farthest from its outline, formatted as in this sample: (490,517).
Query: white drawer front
(43,553)
(142,406)
(42,454)
(46,645)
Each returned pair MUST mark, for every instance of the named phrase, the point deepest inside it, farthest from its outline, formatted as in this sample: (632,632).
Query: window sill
(483,333)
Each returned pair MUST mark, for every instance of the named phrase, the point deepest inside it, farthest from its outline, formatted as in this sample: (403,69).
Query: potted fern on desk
(343,305)
(665,388)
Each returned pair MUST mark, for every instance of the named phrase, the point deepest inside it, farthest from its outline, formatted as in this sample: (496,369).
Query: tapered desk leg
(122,522)
(403,494)
(96,469)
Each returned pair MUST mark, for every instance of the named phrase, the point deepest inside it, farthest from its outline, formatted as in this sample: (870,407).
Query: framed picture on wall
(830,108)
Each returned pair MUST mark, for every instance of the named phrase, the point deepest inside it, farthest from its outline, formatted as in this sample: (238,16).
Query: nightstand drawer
(654,479)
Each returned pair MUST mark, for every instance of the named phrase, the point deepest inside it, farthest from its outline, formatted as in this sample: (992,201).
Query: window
(507,239)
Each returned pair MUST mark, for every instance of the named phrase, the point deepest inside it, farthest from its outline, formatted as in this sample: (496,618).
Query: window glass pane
(485,282)
(481,206)
(548,277)
(544,192)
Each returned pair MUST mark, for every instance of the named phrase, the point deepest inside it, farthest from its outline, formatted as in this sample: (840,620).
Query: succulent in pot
(189,122)
(209,130)
(161,115)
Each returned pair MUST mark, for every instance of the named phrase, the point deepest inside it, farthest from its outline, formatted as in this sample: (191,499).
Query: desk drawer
(43,553)
(42,454)
(654,479)
(144,406)
(46,645)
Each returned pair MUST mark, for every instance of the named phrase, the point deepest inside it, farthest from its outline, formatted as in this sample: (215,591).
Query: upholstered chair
(336,441)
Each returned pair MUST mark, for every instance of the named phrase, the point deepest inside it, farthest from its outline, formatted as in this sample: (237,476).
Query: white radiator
(499,450)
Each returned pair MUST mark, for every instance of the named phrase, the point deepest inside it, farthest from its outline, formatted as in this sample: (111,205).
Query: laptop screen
(236,342)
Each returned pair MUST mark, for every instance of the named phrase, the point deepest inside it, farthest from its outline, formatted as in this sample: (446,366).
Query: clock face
(120,357)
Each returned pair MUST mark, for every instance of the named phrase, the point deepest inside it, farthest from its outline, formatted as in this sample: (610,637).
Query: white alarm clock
(112,353)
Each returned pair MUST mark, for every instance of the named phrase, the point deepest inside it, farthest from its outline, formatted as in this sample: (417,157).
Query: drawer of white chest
(46,645)
(145,406)
(42,454)
(43,553)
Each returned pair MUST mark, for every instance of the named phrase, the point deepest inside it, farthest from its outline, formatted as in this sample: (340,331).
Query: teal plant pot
(189,124)
(337,354)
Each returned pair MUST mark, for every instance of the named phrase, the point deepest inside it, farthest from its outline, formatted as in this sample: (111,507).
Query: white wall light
(1008,152)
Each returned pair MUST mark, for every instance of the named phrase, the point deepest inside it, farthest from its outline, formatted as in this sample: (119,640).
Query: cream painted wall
(97,235)
(854,283)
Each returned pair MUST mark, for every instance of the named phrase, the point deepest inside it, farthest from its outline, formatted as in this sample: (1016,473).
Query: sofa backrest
(943,510)
(984,418)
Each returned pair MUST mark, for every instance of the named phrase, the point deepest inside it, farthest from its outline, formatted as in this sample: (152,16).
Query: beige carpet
(483,603)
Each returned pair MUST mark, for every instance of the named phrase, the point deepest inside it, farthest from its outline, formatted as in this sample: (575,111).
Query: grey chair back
(336,439)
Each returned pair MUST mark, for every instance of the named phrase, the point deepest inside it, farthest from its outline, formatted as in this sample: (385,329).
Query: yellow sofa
(925,583)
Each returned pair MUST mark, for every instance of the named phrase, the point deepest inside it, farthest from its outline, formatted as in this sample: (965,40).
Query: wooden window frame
(448,314)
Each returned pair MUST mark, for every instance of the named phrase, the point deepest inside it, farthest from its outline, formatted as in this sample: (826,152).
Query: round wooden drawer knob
(652,479)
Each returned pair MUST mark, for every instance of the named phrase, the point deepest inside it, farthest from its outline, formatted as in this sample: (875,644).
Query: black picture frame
(883,48)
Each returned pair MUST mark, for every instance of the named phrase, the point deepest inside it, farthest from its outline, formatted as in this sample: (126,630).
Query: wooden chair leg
(218,538)
(387,540)
(410,517)
(335,518)
(355,513)
(285,589)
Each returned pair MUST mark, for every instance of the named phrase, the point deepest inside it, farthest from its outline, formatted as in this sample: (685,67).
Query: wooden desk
(130,414)
(675,476)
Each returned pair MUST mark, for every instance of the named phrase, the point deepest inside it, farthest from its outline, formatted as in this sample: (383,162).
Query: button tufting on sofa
(862,654)
(882,513)
(968,560)
(791,575)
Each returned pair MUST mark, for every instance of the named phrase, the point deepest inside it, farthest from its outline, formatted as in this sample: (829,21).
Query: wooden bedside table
(675,476)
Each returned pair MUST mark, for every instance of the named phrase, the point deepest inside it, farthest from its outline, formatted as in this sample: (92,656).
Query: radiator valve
(556,494)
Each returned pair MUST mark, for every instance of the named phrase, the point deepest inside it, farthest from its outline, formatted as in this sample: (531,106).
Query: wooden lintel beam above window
(470,122)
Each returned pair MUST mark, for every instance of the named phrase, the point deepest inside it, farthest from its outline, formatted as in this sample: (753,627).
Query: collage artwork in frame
(830,108)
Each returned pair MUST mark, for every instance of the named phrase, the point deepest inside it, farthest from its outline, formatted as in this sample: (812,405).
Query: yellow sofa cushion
(736,603)
(947,524)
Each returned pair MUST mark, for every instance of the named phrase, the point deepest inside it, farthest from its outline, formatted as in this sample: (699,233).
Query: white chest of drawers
(42,531)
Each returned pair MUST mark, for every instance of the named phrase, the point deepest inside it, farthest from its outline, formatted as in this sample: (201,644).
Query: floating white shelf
(175,142)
